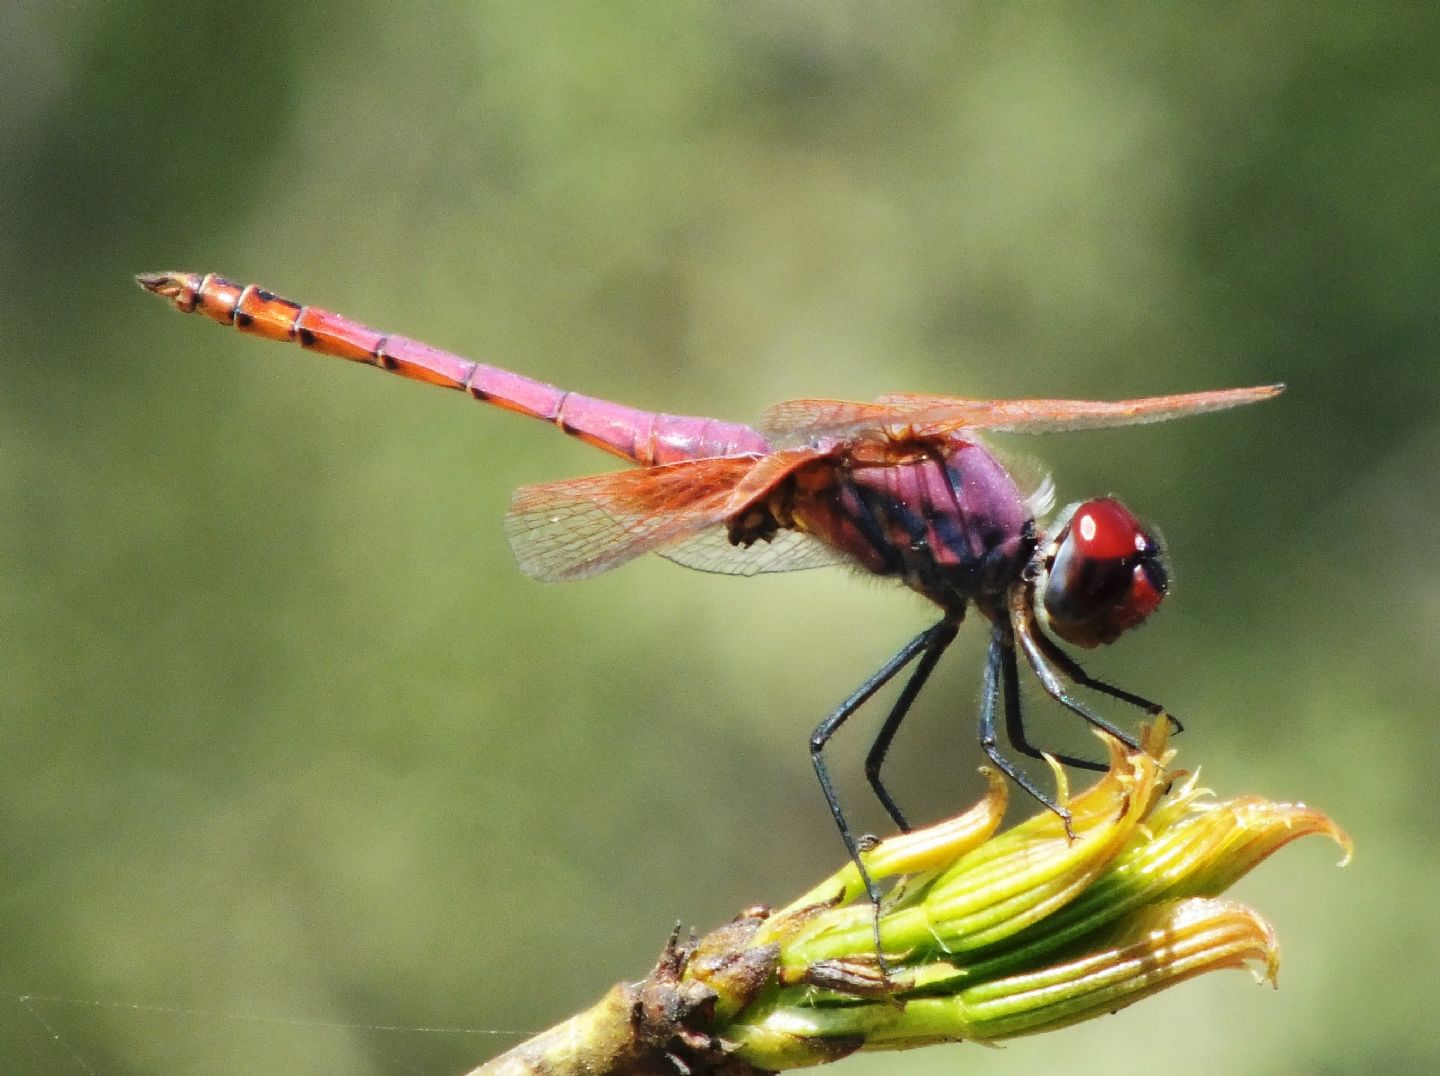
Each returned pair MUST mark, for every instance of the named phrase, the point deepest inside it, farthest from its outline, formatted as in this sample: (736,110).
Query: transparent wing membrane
(787,551)
(925,416)
(584,526)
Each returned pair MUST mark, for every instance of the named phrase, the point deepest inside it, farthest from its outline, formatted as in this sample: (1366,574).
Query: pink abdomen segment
(644,437)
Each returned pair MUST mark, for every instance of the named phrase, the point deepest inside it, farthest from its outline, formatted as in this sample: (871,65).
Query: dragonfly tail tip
(181,289)
(155,282)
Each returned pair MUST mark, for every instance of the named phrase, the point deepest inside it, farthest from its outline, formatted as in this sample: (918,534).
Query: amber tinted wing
(795,421)
(584,526)
(934,415)
(1031,416)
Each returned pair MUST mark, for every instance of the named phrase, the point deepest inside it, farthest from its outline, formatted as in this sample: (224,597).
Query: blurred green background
(290,747)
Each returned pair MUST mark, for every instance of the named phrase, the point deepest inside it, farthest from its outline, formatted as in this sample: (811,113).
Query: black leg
(1028,636)
(937,639)
(1071,668)
(1015,723)
(989,696)
(827,728)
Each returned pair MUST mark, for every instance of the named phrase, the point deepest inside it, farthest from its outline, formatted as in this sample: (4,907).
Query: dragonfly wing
(584,526)
(940,414)
(795,421)
(917,415)
(788,551)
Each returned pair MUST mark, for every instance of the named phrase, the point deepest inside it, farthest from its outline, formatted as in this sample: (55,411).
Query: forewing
(927,416)
(936,414)
(584,526)
(797,420)
(786,551)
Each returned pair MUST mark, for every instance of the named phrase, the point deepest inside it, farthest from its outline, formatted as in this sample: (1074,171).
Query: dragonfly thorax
(943,516)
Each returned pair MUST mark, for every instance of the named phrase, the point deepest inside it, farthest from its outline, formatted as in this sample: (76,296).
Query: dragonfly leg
(1014,718)
(827,728)
(937,639)
(1028,635)
(1071,668)
(989,697)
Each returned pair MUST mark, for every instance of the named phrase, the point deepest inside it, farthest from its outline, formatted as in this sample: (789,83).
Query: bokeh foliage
(285,733)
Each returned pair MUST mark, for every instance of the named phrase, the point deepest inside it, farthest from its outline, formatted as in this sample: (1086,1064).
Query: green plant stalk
(986,935)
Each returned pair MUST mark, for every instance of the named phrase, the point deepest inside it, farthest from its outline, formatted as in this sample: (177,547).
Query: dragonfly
(902,487)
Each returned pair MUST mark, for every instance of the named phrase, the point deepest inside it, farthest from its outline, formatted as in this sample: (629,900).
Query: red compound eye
(1107,574)
(1106,529)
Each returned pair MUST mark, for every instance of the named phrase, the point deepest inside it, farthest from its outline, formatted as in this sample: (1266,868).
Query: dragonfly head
(1102,574)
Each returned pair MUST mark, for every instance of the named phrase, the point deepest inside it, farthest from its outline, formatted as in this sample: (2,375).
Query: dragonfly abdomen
(648,438)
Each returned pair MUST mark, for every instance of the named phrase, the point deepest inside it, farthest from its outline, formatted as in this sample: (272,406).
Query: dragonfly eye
(1105,574)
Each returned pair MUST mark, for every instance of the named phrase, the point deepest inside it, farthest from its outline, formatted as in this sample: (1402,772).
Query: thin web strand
(29,1000)
(31,1005)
